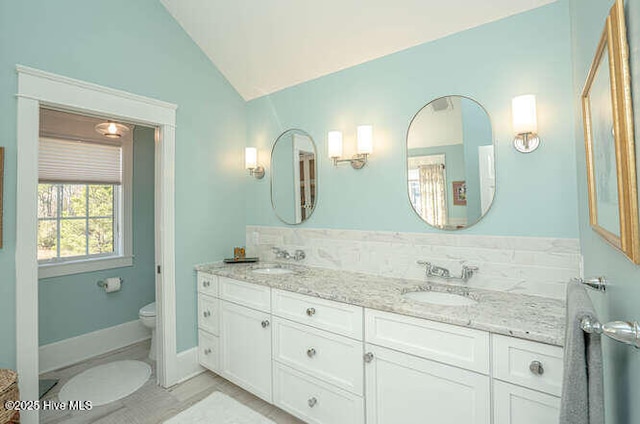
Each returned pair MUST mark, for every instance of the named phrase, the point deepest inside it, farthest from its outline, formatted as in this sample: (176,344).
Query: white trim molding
(38,88)
(188,365)
(76,349)
(84,265)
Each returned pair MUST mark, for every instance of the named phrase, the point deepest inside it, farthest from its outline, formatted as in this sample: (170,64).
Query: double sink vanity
(335,347)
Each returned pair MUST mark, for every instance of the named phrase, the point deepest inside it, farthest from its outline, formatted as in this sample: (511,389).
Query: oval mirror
(293,176)
(450,162)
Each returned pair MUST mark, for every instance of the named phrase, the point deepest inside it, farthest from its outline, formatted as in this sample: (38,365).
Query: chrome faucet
(298,255)
(438,271)
(281,253)
(467,272)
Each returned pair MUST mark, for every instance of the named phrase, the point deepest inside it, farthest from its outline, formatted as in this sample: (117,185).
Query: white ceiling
(262,46)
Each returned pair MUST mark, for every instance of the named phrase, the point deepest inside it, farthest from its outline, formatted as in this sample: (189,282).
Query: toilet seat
(148,310)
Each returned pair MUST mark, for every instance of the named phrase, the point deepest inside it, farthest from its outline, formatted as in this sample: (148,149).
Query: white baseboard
(76,349)
(188,366)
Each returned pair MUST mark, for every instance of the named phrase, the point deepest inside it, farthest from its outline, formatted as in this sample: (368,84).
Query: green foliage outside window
(75,220)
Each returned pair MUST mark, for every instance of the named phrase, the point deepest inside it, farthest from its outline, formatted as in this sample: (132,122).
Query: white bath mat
(106,383)
(218,408)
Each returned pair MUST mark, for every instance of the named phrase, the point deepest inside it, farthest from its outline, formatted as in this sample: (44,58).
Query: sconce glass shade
(365,139)
(250,158)
(251,163)
(334,144)
(523,109)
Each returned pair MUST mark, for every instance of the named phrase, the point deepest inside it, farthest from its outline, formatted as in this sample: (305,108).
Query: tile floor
(151,403)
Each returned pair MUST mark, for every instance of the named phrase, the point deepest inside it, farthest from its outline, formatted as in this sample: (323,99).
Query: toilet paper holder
(103,283)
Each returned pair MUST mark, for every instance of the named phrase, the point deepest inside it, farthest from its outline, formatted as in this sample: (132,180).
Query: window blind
(64,161)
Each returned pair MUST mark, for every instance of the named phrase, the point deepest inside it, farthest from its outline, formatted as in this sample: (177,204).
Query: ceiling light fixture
(112,129)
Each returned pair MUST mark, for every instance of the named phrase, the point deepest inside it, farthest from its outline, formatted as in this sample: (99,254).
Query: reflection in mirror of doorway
(459,193)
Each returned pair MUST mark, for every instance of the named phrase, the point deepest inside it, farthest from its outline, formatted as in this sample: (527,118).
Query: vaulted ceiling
(262,46)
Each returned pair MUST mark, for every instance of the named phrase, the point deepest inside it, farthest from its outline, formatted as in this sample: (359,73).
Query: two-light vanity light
(251,163)
(364,147)
(525,123)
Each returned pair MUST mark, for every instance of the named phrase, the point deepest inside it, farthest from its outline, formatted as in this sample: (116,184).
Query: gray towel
(582,387)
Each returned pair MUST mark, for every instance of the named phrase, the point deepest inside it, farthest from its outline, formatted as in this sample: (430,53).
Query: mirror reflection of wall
(450,162)
(293,176)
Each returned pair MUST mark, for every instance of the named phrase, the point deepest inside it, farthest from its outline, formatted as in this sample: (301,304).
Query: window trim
(124,231)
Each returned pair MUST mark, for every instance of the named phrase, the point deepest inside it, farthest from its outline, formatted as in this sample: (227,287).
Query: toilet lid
(148,310)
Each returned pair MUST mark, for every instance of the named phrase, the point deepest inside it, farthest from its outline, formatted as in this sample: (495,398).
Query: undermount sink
(271,271)
(439,298)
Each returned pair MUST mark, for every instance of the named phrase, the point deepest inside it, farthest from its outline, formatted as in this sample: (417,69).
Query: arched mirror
(293,176)
(450,162)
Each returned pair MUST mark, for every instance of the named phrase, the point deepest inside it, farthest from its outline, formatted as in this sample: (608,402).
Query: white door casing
(35,89)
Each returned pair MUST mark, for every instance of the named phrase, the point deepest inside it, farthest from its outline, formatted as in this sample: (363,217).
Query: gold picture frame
(609,139)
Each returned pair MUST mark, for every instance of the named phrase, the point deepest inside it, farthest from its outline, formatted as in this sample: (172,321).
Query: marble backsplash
(527,265)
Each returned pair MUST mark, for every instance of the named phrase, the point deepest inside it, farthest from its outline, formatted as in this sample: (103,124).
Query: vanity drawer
(336,317)
(530,364)
(209,314)
(246,294)
(207,284)
(314,401)
(327,356)
(208,351)
(449,344)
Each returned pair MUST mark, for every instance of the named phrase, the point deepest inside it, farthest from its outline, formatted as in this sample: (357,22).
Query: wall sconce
(251,163)
(364,147)
(525,123)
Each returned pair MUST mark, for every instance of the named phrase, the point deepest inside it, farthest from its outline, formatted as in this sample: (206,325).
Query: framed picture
(459,193)
(1,191)
(609,143)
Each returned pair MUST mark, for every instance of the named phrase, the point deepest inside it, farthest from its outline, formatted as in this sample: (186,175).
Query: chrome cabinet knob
(311,352)
(265,323)
(207,351)
(368,357)
(536,367)
(206,283)
(312,402)
(206,314)
(311,311)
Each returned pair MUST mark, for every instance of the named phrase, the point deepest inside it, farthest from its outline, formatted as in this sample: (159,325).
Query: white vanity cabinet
(317,359)
(245,337)
(208,322)
(404,388)
(416,370)
(328,362)
(527,381)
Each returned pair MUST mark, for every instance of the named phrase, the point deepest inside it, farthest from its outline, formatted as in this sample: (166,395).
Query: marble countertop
(528,317)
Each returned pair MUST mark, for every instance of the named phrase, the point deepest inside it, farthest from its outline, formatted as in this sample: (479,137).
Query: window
(77,221)
(84,210)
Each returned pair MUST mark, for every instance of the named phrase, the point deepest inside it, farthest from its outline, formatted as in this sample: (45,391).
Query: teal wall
(622,301)
(72,305)
(491,64)
(148,54)
(454,171)
(476,132)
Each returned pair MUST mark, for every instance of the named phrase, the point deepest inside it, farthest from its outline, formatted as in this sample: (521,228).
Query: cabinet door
(517,405)
(401,388)
(245,344)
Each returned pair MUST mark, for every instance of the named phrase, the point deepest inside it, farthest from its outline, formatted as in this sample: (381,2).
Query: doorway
(38,89)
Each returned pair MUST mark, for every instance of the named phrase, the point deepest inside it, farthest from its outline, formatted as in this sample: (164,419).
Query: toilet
(147,316)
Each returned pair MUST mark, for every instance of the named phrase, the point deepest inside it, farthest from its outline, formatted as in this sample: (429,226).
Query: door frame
(38,88)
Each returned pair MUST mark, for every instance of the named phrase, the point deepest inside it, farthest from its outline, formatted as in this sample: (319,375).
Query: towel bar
(622,331)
